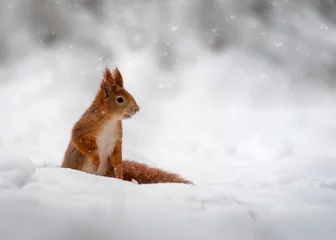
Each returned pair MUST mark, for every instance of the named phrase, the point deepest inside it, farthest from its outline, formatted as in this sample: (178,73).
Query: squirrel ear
(117,77)
(106,88)
(106,85)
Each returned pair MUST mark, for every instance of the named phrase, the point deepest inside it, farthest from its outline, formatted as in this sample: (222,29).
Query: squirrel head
(118,103)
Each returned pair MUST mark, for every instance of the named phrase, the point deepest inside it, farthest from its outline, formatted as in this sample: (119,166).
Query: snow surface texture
(243,105)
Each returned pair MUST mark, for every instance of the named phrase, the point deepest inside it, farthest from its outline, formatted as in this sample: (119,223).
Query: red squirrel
(96,138)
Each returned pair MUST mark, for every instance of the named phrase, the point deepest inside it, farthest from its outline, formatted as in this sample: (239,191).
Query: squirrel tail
(144,174)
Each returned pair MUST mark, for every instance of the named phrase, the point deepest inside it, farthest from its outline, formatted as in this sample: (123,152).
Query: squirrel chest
(105,141)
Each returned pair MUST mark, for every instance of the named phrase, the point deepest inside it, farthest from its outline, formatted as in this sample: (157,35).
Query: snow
(15,173)
(66,204)
(251,124)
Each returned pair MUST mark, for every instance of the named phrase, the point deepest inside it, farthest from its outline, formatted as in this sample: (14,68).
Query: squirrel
(96,138)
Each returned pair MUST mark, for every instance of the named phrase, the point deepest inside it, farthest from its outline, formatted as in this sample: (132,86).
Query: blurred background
(222,84)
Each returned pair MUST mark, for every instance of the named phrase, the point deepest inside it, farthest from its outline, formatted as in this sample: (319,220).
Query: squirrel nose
(135,109)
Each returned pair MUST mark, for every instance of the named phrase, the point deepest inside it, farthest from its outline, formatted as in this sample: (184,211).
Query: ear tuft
(108,75)
(117,77)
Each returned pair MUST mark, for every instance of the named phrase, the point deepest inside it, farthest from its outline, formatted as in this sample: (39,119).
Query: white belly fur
(105,143)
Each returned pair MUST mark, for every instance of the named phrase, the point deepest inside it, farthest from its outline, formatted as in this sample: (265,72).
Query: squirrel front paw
(95,163)
(119,172)
(94,167)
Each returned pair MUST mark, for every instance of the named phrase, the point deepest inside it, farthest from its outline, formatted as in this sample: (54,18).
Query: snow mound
(16,172)
(70,204)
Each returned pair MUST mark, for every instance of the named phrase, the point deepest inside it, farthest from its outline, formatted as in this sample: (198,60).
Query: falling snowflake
(278,44)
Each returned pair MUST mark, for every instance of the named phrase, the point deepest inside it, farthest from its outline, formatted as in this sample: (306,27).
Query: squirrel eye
(120,100)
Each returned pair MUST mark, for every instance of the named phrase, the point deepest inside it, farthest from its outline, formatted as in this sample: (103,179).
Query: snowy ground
(252,125)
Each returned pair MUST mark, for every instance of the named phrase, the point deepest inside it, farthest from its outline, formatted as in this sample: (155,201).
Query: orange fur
(83,145)
(144,174)
(96,138)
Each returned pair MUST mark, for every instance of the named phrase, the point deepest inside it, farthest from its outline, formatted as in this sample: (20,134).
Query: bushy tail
(144,174)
